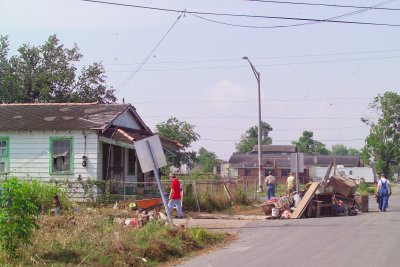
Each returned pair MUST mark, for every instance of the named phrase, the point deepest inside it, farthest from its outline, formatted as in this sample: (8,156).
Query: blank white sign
(145,158)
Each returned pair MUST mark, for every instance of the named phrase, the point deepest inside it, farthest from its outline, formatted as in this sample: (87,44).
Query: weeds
(92,240)
(365,189)
(18,215)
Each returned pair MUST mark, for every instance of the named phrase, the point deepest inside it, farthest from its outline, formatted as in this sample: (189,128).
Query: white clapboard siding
(29,154)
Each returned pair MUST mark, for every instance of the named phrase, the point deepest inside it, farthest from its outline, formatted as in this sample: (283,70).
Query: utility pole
(260,175)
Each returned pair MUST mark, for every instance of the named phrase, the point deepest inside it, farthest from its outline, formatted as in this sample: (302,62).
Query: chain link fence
(198,195)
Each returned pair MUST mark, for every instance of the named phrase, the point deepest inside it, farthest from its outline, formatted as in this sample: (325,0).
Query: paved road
(369,239)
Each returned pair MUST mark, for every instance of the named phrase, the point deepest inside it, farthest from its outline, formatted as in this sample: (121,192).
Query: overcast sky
(317,76)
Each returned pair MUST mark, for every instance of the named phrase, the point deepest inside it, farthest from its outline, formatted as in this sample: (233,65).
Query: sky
(318,77)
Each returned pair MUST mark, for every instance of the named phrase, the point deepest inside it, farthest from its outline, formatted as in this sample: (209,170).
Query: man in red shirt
(175,195)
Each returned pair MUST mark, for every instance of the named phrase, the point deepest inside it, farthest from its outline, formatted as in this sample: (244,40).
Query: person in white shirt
(384,191)
(270,182)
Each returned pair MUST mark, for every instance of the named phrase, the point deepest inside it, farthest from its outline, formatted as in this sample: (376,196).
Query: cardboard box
(343,185)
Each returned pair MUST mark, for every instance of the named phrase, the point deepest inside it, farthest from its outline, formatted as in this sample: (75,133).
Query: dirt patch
(229,222)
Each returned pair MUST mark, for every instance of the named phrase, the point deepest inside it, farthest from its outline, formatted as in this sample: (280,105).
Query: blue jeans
(383,202)
(176,202)
(270,191)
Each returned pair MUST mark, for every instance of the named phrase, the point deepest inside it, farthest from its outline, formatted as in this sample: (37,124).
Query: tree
(339,149)
(307,144)
(181,132)
(206,159)
(382,145)
(353,151)
(249,139)
(47,73)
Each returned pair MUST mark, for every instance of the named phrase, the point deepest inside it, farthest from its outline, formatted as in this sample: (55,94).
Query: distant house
(222,168)
(325,160)
(72,141)
(351,166)
(276,158)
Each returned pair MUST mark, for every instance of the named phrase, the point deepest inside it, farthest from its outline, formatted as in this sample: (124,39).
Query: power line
(326,140)
(255,58)
(259,65)
(332,19)
(242,15)
(264,65)
(185,101)
(326,5)
(285,130)
(148,56)
(252,117)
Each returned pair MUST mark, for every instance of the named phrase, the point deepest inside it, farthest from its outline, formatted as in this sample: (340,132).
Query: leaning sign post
(297,166)
(151,158)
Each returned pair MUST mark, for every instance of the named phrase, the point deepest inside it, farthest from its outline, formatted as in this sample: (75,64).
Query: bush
(18,215)
(364,188)
(203,237)
(42,195)
(241,197)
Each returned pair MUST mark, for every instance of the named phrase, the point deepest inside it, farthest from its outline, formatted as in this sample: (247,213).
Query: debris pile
(279,207)
(141,212)
(334,197)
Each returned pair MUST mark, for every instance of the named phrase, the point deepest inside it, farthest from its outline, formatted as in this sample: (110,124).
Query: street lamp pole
(260,175)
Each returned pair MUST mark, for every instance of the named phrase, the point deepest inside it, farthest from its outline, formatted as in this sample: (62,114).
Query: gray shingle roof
(58,116)
(275,149)
(243,160)
(325,160)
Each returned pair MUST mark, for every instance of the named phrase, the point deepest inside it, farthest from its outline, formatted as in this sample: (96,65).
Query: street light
(260,175)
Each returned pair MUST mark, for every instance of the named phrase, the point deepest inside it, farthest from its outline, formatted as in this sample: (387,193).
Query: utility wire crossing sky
(321,63)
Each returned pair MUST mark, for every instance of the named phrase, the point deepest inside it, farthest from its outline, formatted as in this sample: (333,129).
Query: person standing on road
(175,195)
(290,183)
(270,182)
(384,191)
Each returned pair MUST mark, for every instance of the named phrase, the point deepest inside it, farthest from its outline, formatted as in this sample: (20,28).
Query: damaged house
(73,141)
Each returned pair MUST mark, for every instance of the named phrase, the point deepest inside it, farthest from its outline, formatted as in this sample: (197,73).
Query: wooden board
(305,201)
(328,172)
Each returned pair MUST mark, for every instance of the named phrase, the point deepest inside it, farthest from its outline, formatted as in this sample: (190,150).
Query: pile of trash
(334,197)
(140,212)
(341,208)
(280,207)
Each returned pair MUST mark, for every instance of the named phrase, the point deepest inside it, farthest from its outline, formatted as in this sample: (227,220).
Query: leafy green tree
(382,145)
(307,144)
(18,214)
(249,139)
(181,132)
(48,73)
(206,159)
(353,151)
(339,149)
